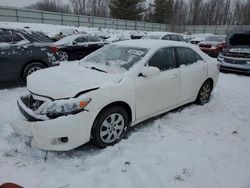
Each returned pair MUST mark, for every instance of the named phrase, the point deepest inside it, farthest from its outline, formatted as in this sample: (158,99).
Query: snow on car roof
(152,44)
(162,33)
(158,35)
(69,39)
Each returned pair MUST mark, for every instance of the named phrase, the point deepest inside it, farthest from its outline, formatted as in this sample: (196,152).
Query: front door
(158,93)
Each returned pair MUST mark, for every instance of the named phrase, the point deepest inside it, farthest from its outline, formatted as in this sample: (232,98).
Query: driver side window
(81,40)
(163,59)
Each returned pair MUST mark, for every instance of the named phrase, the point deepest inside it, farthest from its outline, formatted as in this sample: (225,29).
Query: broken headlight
(65,107)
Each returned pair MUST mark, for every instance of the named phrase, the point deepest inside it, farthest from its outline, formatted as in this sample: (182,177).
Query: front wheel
(204,93)
(110,127)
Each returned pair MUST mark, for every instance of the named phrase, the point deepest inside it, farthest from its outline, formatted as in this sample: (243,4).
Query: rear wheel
(64,56)
(31,68)
(204,93)
(110,126)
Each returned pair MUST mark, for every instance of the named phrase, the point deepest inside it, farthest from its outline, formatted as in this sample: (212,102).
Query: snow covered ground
(195,147)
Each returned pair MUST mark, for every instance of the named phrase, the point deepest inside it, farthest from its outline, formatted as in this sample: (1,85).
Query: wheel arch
(30,62)
(122,104)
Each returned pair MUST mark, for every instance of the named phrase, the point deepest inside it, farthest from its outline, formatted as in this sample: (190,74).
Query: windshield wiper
(94,68)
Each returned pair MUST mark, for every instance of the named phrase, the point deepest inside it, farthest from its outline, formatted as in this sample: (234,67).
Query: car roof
(162,33)
(152,44)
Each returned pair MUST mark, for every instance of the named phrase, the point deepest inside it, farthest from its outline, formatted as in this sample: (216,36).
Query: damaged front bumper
(59,134)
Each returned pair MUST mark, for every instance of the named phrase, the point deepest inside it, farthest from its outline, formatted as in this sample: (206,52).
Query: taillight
(54,49)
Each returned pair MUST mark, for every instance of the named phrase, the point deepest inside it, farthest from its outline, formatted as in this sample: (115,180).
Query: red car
(213,45)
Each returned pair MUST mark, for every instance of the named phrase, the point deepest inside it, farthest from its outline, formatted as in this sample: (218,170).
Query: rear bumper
(210,51)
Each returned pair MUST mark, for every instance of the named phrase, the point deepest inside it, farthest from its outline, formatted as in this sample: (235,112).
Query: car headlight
(65,107)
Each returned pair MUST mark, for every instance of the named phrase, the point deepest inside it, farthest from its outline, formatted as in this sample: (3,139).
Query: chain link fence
(8,14)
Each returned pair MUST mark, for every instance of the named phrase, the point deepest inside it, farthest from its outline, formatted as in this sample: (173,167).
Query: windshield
(240,39)
(216,39)
(114,58)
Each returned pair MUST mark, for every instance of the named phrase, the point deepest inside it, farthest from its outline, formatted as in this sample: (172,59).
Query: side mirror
(74,42)
(150,71)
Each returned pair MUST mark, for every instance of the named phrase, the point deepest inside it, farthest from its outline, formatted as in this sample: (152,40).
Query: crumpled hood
(68,80)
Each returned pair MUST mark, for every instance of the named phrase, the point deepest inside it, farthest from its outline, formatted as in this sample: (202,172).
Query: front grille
(234,69)
(31,103)
(235,61)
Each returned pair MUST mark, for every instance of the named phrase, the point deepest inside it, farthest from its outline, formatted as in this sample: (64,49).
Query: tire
(31,68)
(63,56)
(204,93)
(109,127)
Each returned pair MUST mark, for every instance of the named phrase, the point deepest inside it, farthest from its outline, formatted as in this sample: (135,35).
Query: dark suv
(236,56)
(22,53)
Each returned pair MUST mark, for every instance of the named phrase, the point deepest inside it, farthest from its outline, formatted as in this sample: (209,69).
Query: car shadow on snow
(12,85)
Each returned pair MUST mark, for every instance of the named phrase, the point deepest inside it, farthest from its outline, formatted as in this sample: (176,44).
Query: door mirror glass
(150,71)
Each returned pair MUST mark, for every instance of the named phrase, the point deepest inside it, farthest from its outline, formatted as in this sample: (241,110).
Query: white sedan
(119,85)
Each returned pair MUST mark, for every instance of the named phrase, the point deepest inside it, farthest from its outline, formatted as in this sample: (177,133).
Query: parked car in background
(213,45)
(164,36)
(197,38)
(64,33)
(101,34)
(137,34)
(37,34)
(115,87)
(76,47)
(236,56)
(21,54)
(119,37)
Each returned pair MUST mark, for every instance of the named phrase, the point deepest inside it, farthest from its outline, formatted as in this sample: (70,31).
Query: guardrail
(32,16)
(8,14)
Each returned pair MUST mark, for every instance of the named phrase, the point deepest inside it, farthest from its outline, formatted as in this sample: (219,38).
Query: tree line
(175,12)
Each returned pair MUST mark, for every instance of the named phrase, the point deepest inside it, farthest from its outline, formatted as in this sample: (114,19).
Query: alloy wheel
(112,128)
(205,93)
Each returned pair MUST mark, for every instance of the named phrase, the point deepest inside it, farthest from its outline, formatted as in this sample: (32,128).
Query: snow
(196,146)
(52,30)
(67,40)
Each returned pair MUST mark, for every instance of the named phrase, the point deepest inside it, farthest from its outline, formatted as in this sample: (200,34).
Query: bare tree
(51,5)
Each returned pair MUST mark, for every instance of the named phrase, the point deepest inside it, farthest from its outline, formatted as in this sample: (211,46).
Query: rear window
(186,56)
(41,36)
(240,40)
(93,39)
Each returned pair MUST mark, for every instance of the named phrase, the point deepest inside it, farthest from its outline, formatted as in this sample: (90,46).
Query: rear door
(193,71)
(81,49)
(11,56)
